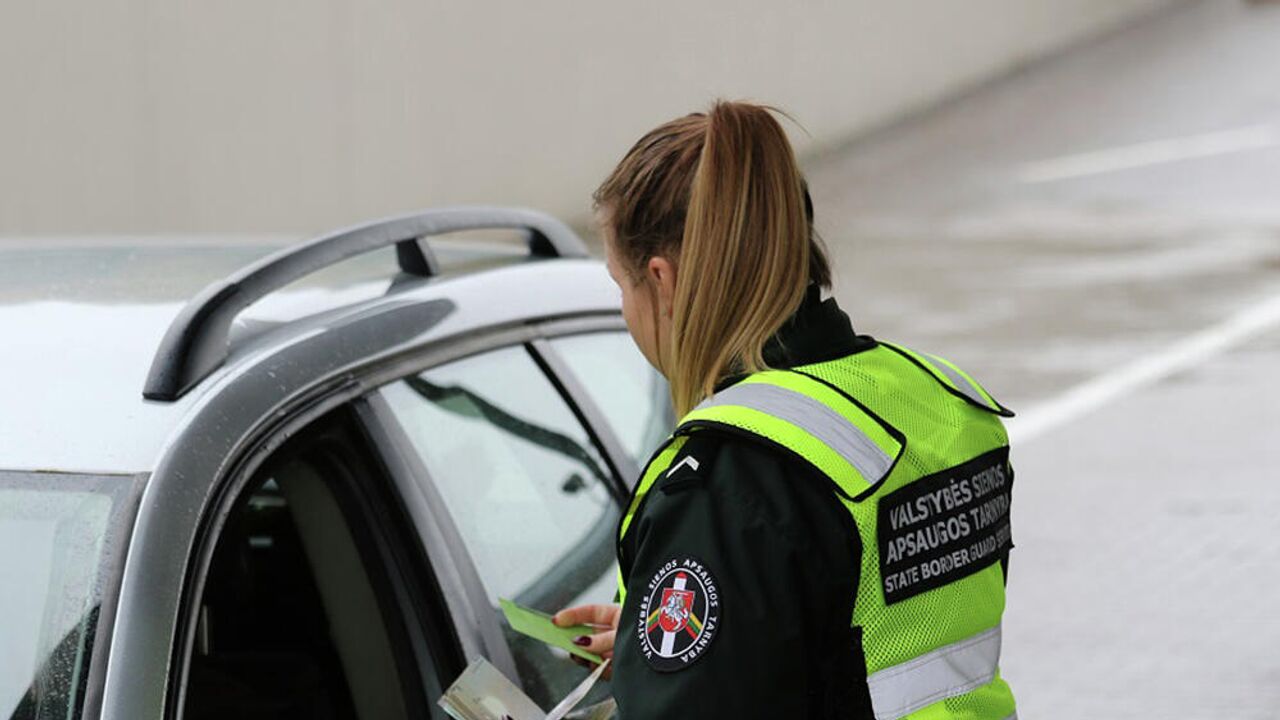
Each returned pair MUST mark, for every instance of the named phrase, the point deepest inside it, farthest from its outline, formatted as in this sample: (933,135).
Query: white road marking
(1184,354)
(1155,152)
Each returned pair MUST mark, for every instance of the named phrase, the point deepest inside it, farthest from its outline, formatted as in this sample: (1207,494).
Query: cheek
(636,316)
(630,311)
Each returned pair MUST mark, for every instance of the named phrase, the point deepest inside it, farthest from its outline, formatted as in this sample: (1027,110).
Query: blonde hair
(720,195)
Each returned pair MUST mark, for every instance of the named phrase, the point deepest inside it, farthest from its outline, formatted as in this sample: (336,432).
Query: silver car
(301,492)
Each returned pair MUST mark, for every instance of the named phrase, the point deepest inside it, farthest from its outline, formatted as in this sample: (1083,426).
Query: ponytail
(722,192)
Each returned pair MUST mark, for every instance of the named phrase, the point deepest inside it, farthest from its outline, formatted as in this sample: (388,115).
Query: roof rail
(196,342)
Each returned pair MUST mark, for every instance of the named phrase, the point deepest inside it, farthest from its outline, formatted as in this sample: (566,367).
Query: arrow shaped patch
(689,460)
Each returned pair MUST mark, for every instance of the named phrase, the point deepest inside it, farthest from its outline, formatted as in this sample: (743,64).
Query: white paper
(575,696)
(481,692)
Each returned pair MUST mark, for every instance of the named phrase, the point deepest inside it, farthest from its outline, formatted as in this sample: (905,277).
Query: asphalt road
(1097,238)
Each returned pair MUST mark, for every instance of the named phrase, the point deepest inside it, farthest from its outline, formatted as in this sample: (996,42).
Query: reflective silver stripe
(946,672)
(961,382)
(812,416)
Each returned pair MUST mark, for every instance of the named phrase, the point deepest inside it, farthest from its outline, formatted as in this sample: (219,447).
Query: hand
(602,617)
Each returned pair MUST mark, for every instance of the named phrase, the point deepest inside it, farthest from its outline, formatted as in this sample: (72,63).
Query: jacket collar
(819,330)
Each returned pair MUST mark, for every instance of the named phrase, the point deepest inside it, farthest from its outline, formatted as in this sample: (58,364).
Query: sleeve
(720,613)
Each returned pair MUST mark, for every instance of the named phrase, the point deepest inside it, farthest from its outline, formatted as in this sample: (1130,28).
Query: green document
(538,626)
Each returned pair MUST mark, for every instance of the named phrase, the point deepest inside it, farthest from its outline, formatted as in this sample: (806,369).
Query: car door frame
(419,620)
(475,622)
(275,387)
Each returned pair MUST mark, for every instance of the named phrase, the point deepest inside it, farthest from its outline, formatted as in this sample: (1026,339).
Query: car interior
(291,623)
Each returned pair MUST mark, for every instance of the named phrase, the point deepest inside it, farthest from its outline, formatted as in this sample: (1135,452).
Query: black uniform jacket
(777,548)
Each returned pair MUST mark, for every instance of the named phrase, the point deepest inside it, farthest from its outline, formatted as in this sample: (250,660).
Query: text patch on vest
(945,526)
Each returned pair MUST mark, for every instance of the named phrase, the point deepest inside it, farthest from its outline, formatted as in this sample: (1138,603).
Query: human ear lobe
(663,275)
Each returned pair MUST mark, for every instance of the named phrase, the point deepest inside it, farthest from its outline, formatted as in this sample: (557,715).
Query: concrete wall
(125,116)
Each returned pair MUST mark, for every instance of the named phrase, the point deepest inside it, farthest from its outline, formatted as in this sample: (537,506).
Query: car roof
(82,319)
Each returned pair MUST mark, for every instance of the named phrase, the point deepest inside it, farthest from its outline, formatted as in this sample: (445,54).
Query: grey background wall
(140,116)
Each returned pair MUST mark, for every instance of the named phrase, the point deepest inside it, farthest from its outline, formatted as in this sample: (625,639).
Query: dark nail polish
(582,641)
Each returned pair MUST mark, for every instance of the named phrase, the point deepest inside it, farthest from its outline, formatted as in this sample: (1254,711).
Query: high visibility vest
(915,450)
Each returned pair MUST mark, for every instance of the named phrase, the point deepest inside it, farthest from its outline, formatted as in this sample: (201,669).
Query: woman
(825,534)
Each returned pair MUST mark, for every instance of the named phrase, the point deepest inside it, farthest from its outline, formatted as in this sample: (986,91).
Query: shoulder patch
(689,460)
(679,615)
(682,475)
(690,465)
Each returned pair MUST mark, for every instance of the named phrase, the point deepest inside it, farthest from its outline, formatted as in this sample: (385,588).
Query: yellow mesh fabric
(789,436)
(831,398)
(939,365)
(657,464)
(983,391)
(652,471)
(942,431)
(992,701)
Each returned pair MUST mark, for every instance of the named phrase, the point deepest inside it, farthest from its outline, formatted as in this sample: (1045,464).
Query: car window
(295,618)
(631,394)
(526,487)
(57,534)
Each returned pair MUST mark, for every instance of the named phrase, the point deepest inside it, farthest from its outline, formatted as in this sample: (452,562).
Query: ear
(662,274)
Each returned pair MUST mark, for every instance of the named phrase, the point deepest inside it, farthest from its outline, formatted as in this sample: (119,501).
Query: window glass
(55,533)
(525,486)
(632,395)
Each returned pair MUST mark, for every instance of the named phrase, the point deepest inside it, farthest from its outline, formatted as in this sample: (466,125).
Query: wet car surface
(344,456)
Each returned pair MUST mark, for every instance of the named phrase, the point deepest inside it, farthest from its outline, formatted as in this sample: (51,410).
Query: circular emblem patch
(679,615)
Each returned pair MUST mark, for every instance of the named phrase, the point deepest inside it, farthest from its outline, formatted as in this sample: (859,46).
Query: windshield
(58,536)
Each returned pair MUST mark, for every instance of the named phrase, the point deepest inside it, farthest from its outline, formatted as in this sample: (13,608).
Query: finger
(603,614)
(608,671)
(599,643)
(606,655)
